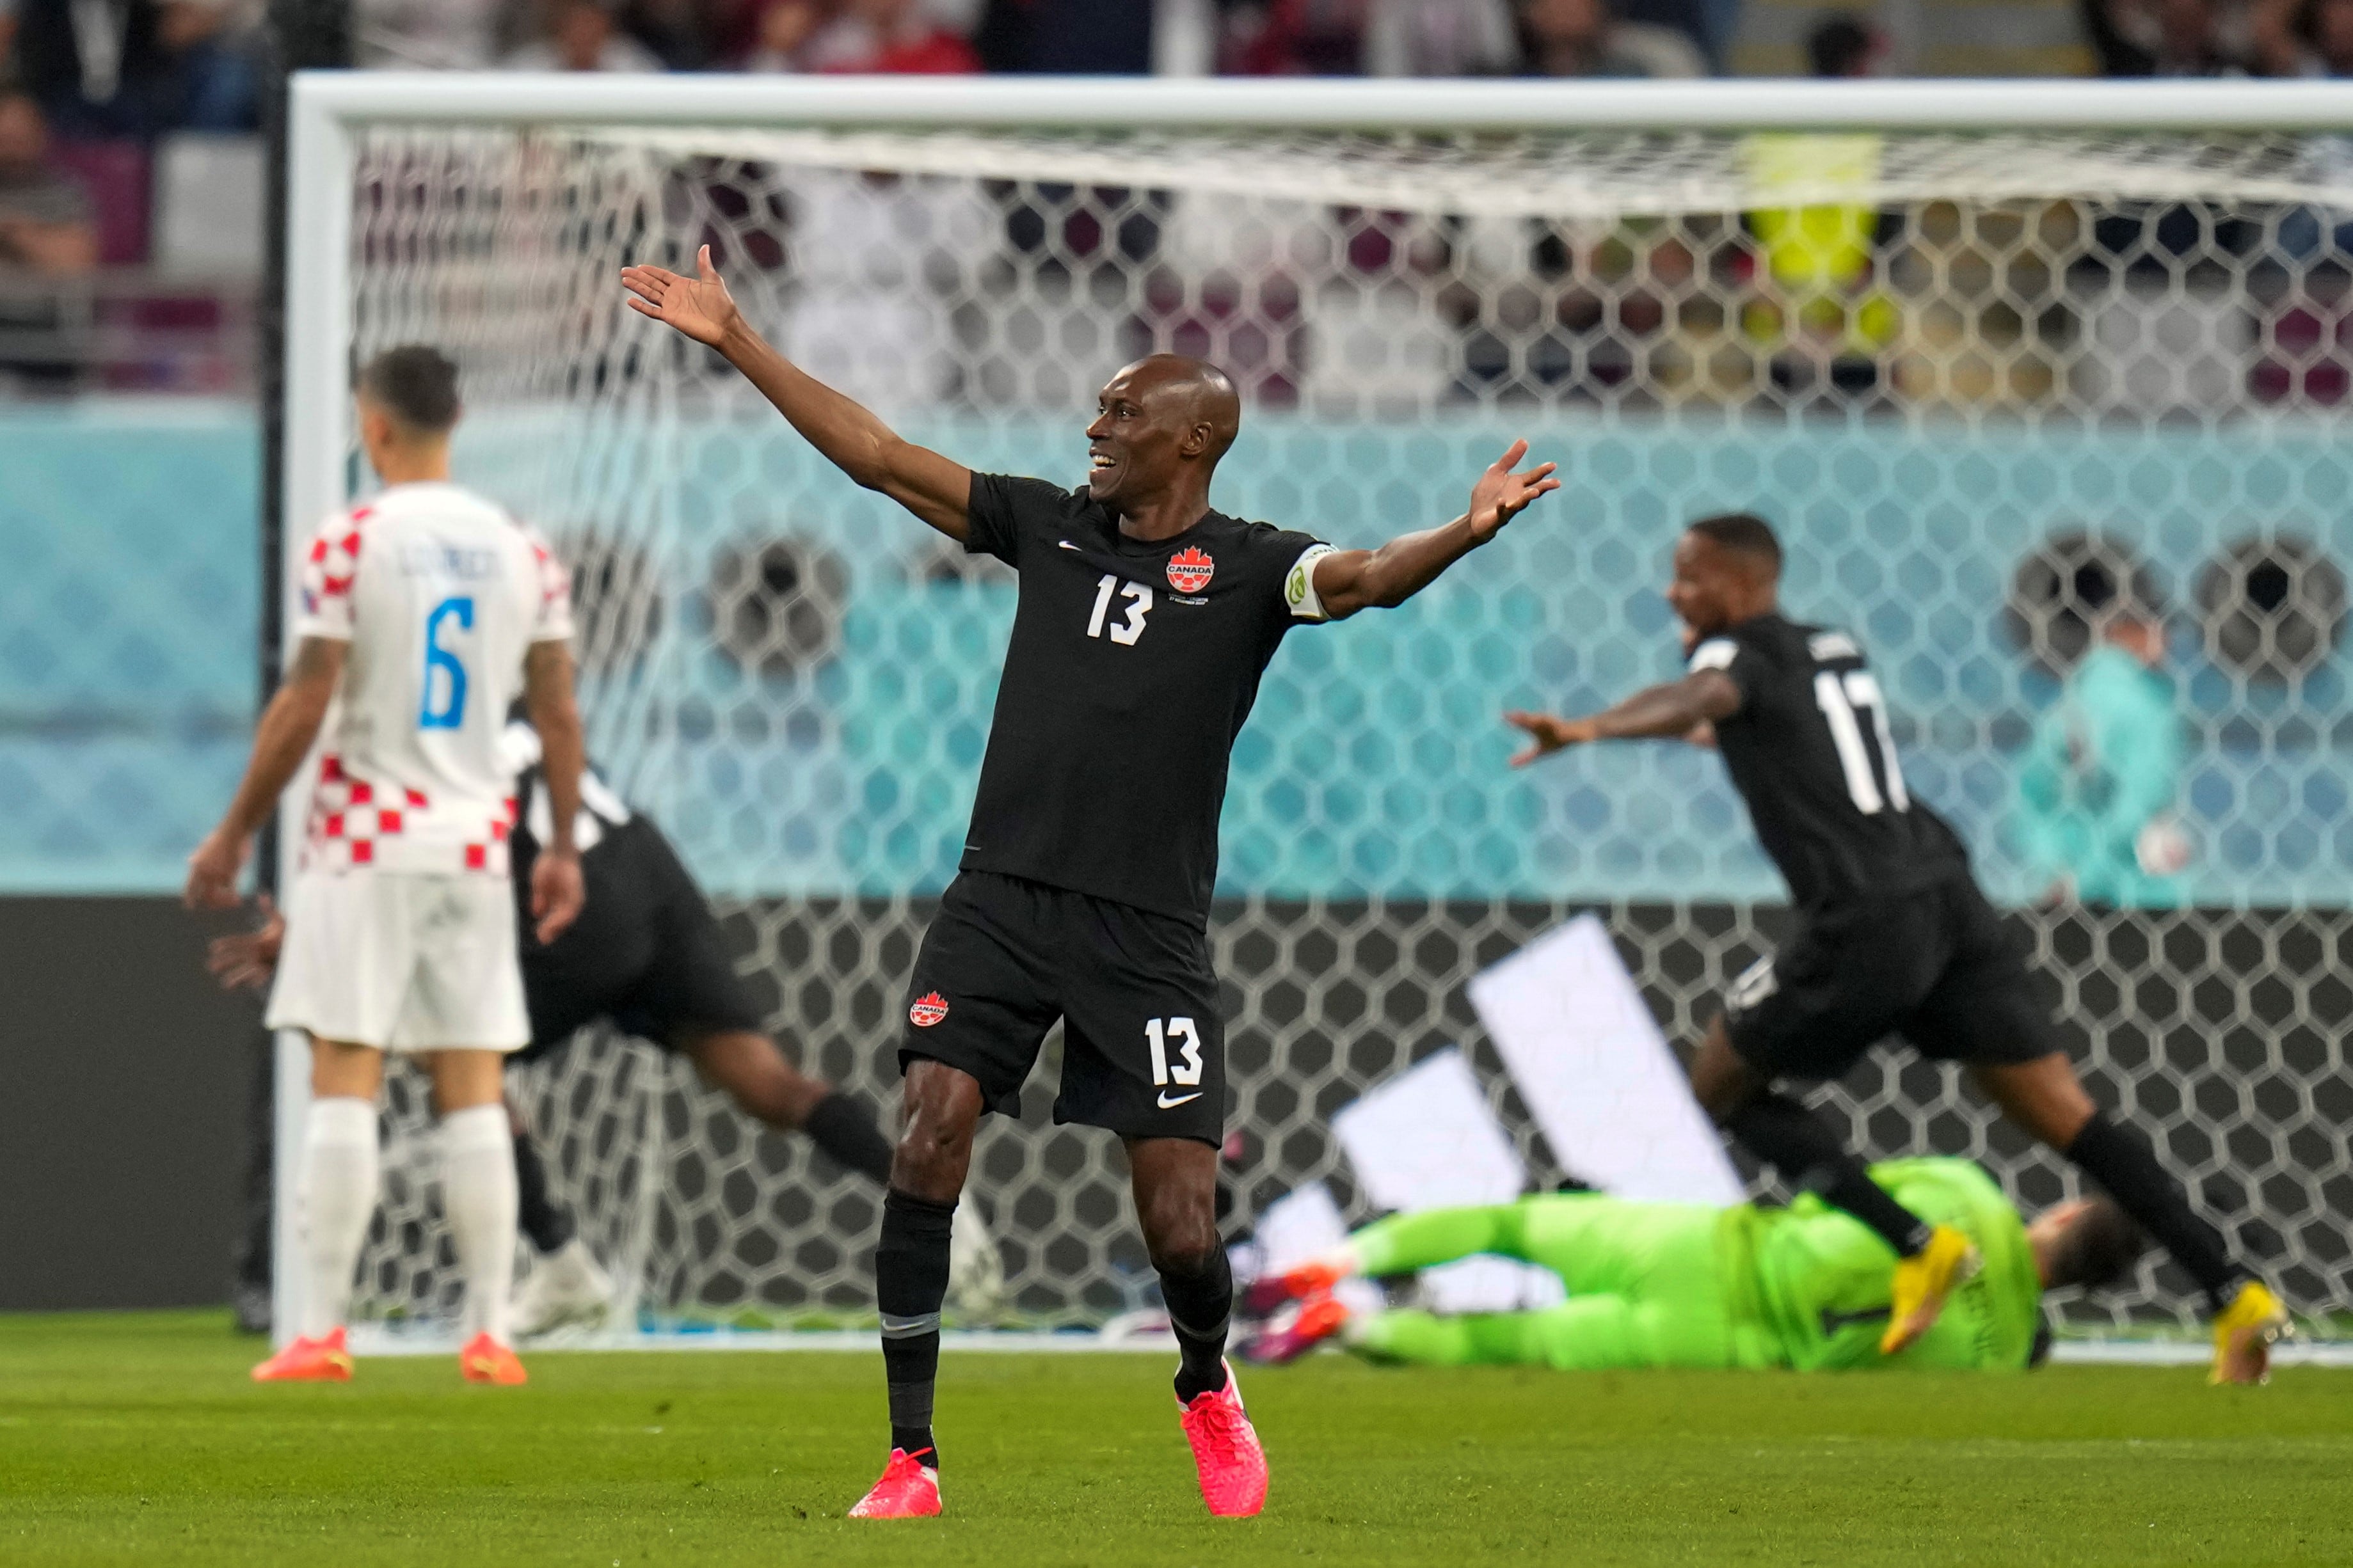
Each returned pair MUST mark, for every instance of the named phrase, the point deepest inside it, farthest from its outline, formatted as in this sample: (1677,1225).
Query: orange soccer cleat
(1264,1296)
(1227,1452)
(484,1360)
(309,1361)
(909,1490)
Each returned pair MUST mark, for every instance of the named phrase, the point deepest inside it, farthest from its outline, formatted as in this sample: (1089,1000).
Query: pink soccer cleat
(1225,1451)
(320,1360)
(1317,1320)
(909,1490)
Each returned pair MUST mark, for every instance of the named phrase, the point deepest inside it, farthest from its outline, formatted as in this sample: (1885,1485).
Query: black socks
(911,1280)
(1200,1307)
(1802,1148)
(2121,1160)
(844,1128)
(541,1216)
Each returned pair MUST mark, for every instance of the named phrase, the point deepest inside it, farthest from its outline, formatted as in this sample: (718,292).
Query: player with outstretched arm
(1146,620)
(425,611)
(1893,937)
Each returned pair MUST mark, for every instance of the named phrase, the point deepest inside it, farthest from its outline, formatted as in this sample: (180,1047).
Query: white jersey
(440,595)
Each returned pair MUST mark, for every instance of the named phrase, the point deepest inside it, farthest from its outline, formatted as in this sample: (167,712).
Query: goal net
(1992,386)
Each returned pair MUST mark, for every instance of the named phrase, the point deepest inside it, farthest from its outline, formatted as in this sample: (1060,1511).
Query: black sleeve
(1001,504)
(1289,564)
(1738,657)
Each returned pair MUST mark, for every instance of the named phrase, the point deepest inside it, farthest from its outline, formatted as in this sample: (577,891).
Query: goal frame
(326,107)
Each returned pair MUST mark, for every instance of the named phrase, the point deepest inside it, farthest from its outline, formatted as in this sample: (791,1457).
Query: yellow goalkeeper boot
(1922,1282)
(2245,1332)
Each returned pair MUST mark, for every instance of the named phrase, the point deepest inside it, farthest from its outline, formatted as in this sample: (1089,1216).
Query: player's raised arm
(936,488)
(289,726)
(1677,711)
(1347,581)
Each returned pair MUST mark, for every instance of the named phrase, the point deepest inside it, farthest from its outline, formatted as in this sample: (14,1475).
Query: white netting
(1986,385)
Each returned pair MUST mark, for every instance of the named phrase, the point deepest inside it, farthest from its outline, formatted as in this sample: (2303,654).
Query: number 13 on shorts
(1159,1033)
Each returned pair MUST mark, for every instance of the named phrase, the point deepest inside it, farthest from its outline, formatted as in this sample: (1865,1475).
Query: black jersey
(646,953)
(1131,669)
(601,809)
(1811,754)
(621,897)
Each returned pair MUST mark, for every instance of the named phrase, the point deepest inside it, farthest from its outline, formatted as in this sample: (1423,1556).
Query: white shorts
(402,962)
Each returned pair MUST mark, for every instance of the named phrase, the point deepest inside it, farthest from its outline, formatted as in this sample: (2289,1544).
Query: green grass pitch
(138,1440)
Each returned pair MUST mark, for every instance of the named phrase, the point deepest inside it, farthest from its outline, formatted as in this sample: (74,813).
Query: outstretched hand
(700,306)
(1548,733)
(1501,495)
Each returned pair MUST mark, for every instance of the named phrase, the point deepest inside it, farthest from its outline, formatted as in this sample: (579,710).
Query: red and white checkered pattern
(328,572)
(350,817)
(440,595)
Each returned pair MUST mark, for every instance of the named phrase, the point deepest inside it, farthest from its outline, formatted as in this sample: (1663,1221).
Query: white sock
(478,1194)
(339,1178)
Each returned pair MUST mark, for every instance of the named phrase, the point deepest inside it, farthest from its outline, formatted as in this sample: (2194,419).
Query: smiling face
(1156,420)
(1714,587)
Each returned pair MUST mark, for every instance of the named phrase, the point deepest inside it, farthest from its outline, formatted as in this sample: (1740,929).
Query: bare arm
(1676,710)
(1347,581)
(936,488)
(284,738)
(556,890)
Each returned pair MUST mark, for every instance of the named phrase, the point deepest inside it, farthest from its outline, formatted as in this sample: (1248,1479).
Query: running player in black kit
(1893,937)
(1146,620)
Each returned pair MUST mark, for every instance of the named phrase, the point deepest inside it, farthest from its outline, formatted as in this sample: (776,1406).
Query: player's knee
(1180,1232)
(928,1148)
(934,1147)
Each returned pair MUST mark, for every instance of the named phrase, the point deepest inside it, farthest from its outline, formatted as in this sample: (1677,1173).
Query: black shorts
(1144,1050)
(1936,966)
(646,953)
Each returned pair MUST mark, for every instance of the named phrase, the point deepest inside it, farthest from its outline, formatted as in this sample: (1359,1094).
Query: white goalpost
(1995,357)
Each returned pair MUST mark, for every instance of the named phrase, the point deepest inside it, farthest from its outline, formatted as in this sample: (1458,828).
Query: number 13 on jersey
(1139,604)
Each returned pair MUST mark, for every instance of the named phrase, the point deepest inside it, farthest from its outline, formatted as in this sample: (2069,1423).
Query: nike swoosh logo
(1169,1104)
(1068,545)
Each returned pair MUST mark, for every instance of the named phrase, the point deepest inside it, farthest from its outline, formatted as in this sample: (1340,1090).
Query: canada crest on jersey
(1190,570)
(928,1009)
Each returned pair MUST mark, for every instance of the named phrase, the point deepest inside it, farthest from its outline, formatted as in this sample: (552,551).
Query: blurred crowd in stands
(126,126)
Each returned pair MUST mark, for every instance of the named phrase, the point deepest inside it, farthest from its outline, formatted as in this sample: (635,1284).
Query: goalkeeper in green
(1690,1285)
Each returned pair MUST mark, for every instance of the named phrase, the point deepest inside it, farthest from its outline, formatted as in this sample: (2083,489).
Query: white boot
(566,1288)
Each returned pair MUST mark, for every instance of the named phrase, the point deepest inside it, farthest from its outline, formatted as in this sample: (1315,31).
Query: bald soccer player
(1146,618)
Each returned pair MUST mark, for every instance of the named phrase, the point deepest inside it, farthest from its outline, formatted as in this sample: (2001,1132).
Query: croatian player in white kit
(425,611)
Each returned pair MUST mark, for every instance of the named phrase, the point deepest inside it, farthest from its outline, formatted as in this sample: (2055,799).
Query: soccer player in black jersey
(1145,622)
(650,957)
(1893,937)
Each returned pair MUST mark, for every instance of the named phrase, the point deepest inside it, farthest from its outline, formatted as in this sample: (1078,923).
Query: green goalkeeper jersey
(1822,1276)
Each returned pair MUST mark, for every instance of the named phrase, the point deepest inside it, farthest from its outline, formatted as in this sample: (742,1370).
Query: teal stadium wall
(1375,762)
(129,612)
